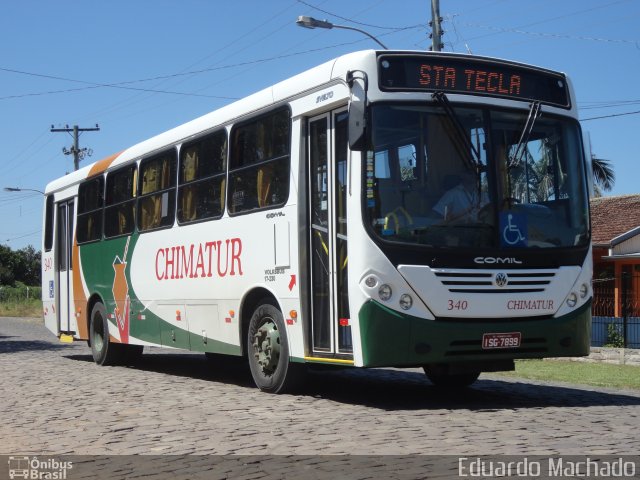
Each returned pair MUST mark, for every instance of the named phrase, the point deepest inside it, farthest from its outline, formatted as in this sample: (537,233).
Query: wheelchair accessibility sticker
(513,227)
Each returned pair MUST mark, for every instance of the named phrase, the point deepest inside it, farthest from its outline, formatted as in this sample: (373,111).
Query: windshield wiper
(468,150)
(534,113)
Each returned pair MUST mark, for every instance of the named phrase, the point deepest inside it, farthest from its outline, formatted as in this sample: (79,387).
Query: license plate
(501,340)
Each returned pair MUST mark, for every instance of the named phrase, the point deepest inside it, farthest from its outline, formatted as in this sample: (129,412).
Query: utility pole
(436,26)
(77,152)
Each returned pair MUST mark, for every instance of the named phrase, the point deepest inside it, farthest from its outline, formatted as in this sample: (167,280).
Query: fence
(616,311)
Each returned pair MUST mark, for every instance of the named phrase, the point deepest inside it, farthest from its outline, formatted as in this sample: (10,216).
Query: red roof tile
(613,216)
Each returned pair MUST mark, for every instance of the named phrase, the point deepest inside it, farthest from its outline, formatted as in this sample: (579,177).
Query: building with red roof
(615,234)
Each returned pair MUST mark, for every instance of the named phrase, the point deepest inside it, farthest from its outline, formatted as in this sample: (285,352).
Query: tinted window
(156,205)
(120,202)
(90,203)
(259,166)
(48,224)
(202,178)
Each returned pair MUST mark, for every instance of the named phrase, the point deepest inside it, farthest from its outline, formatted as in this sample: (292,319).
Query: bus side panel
(79,295)
(107,274)
(49,292)
(47,271)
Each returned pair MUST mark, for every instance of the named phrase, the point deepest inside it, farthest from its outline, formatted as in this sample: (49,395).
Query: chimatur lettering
(530,305)
(197,260)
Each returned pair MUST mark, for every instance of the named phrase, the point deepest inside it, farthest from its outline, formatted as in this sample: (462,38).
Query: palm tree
(603,175)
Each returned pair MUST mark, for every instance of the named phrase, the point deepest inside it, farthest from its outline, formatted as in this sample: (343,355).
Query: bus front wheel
(268,351)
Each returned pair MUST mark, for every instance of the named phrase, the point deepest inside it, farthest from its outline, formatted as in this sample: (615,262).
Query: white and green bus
(386,208)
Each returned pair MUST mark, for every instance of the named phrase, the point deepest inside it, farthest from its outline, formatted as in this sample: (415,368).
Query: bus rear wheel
(268,351)
(449,380)
(103,350)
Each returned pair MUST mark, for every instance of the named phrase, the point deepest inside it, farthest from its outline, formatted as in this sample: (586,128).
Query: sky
(140,67)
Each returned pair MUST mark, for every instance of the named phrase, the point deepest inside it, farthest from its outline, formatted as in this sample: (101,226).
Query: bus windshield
(445,175)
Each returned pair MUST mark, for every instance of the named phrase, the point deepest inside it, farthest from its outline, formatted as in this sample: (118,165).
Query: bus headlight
(385,292)
(584,290)
(406,302)
(572,300)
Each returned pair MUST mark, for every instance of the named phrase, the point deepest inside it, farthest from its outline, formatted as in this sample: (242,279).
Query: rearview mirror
(357,125)
(358,110)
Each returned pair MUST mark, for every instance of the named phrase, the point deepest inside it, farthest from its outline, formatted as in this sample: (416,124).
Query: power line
(610,116)
(155,88)
(92,85)
(571,14)
(172,75)
(610,104)
(553,35)
(23,236)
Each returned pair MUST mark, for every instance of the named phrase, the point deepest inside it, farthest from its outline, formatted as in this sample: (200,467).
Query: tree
(7,263)
(603,175)
(28,266)
(19,266)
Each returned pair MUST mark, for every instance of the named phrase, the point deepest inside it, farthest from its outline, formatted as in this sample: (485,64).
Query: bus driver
(462,200)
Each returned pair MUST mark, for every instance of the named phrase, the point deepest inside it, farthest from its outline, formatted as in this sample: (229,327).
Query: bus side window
(201,180)
(260,163)
(48,224)
(156,204)
(120,201)
(90,205)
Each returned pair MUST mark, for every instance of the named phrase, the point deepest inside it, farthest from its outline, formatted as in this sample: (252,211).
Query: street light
(310,22)
(18,189)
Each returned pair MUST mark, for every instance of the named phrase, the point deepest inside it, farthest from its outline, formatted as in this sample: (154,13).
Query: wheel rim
(98,333)
(266,347)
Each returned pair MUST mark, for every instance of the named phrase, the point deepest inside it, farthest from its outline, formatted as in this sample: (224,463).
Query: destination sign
(472,76)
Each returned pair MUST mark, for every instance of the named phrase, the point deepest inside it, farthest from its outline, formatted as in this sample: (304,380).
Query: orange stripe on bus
(79,298)
(101,165)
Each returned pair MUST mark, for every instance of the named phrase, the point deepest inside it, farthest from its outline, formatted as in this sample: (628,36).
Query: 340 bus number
(457,305)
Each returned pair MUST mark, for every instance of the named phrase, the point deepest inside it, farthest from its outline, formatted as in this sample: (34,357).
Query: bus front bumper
(393,339)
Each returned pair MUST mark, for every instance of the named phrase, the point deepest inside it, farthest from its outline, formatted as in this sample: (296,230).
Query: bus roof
(262,99)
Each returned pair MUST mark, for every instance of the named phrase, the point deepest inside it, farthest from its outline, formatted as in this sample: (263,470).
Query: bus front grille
(498,282)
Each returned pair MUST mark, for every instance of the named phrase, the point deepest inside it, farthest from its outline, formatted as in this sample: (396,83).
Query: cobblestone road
(55,400)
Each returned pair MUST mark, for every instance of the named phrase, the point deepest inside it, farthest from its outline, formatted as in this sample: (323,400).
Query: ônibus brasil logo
(38,468)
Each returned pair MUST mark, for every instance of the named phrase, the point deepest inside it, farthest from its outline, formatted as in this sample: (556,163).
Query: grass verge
(23,308)
(580,373)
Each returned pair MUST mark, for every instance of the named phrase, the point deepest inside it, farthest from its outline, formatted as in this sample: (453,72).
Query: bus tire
(268,351)
(451,381)
(103,350)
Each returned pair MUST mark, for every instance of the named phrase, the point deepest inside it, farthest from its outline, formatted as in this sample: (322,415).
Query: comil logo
(38,469)
(497,260)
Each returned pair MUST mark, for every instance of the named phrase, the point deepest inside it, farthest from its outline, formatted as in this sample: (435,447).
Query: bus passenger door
(64,267)
(328,154)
